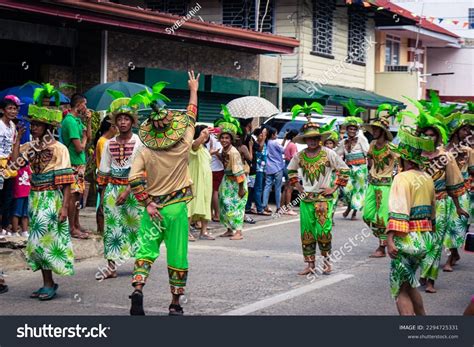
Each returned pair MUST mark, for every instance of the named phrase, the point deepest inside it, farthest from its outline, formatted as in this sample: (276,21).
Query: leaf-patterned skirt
(49,245)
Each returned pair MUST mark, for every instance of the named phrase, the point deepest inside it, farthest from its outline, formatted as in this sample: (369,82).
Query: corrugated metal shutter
(333,110)
(209,105)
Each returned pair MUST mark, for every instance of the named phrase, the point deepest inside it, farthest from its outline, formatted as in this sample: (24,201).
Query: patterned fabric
(355,159)
(49,245)
(173,230)
(316,227)
(233,167)
(201,175)
(412,249)
(354,191)
(444,211)
(231,206)
(78,186)
(456,232)
(169,135)
(313,168)
(121,224)
(52,180)
(376,211)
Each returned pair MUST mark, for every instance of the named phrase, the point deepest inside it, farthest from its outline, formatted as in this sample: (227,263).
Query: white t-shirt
(216,164)
(7,138)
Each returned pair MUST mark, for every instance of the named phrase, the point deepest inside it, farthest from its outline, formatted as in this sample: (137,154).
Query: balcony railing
(397,68)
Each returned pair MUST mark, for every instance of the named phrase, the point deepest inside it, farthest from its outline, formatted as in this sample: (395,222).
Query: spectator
(21,191)
(214,147)
(259,158)
(246,157)
(290,151)
(75,137)
(106,131)
(3,286)
(199,209)
(274,169)
(9,106)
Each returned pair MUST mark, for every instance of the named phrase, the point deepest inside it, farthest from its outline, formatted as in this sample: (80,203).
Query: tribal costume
(316,208)
(121,221)
(164,161)
(380,179)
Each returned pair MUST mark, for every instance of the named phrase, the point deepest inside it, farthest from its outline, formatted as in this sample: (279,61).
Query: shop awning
(334,95)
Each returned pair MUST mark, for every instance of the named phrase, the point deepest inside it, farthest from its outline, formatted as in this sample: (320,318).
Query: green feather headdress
(392,110)
(424,120)
(227,123)
(327,127)
(354,112)
(306,109)
(47,90)
(434,107)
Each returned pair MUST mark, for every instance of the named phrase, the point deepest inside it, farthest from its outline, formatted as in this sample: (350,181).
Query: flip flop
(37,293)
(80,236)
(50,293)
(206,237)
(215,220)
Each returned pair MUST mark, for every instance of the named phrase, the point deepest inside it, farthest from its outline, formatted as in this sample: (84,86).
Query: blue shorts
(20,207)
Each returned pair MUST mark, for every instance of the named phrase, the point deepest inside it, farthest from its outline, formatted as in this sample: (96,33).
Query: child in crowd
(21,190)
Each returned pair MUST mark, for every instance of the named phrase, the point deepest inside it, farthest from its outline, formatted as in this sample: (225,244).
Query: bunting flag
(369,3)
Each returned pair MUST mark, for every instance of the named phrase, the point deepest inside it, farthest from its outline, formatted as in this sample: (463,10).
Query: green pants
(376,211)
(174,231)
(316,226)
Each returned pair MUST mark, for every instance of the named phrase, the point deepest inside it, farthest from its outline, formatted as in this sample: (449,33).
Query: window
(392,50)
(356,43)
(323,11)
(471,18)
(241,14)
(177,7)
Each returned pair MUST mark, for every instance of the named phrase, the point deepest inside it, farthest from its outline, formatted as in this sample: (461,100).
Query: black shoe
(177,310)
(3,288)
(137,303)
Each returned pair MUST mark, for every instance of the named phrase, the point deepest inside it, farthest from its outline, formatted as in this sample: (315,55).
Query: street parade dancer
(317,163)
(411,223)
(354,151)
(122,212)
(459,126)
(49,246)
(168,137)
(233,191)
(381,161)
(449,186)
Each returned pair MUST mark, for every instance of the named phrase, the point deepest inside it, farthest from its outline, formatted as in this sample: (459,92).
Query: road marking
(260,253)
(276,299)
(273,224)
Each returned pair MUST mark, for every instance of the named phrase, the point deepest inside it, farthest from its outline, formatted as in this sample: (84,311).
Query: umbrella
(251,107)
(26,91)
(99,100)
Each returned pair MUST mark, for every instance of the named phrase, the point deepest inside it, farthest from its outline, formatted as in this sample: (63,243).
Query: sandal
(206,237)
(264,213)
(80,235)
(48,293)
(175,310)
(37,293)
(249,220)
(215,220)
(137,303)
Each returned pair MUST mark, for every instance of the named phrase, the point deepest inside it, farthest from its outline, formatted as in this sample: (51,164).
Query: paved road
(256,276)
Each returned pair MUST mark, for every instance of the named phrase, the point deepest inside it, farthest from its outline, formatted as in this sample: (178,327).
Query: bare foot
(379,253)
(346,212)
(238,236)
(191,237)
(111,274)
(327,269)
(227,234)
(307,270)
(430,287)
(447,267)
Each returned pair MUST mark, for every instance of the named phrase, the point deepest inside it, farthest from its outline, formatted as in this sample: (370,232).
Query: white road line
(273,300)
(273,224)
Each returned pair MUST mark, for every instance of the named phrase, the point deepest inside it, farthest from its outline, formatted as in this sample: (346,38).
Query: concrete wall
(398,84)
(459,61)
(380,51)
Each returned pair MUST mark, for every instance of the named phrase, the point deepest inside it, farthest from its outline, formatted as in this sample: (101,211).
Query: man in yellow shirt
(168,137)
